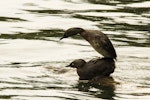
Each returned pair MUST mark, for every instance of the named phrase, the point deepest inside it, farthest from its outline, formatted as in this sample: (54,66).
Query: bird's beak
(61,38)
(68,66)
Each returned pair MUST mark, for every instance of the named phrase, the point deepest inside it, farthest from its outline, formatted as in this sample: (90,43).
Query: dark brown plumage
(94,68)
(98,40)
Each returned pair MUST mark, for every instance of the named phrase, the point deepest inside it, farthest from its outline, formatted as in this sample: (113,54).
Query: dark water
(33,60)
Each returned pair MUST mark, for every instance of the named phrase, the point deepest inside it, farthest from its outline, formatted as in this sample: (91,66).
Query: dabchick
(94,68)
(98,40)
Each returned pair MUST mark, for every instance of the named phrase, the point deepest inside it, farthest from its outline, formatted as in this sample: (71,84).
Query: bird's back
(98,67)
(100,42)
(102,67)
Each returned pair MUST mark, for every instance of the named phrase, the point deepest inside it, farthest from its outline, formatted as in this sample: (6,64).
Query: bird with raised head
(98,40)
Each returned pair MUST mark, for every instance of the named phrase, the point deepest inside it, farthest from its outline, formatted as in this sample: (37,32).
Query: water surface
(33,60)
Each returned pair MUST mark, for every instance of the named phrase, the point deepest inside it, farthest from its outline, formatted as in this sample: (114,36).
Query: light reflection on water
(33,60)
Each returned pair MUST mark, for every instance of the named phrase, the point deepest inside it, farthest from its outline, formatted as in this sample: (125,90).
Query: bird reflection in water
(103,88)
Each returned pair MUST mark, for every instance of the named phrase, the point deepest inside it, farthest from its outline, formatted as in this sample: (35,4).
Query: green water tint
(33,60)
(132,41)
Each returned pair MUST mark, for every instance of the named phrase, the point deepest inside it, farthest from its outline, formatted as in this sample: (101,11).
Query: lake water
(33,60)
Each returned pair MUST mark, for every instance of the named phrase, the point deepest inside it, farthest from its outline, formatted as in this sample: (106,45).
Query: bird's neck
(84,35)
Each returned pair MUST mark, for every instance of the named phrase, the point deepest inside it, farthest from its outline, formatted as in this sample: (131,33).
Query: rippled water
(33,60)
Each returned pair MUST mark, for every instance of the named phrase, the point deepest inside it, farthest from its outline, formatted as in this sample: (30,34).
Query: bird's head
(71,32)
(77,63)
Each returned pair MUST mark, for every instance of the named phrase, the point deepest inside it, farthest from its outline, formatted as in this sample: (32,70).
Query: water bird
(97,68)
(98,40)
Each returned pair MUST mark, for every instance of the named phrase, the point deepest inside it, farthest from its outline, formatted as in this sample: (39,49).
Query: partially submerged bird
(98,40)
(94,68)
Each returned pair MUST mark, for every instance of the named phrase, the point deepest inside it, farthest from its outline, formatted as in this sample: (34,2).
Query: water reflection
(103,88)
(29,36)
(112,1)
(10,19)
(34,35)
(124,20)
(53,11)
(143,40)
(108,2)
